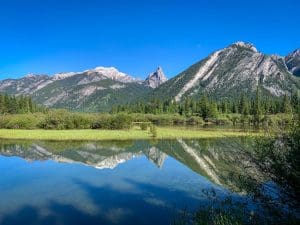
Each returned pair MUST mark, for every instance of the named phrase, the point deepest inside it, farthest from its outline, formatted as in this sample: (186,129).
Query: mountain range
(237,68)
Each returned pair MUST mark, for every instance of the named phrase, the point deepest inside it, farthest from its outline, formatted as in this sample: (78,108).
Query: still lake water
(133,182)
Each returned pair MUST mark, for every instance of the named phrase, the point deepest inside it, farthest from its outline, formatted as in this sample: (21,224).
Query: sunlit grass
(131,134)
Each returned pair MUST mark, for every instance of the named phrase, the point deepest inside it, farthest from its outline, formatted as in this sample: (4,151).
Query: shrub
(82,121)
(102,121)
(20,121)
(56,120)
(234,118)
(143,126)
(121,121)
(194,120)
(113,122)
(153,130)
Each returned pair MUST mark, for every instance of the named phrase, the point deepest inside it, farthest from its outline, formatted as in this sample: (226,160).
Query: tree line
(21,112)
(17,105)
(211,108)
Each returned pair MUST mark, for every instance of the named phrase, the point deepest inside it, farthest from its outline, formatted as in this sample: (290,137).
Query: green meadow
(129,134)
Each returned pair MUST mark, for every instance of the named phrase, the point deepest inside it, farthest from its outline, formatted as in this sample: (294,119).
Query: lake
(131,182)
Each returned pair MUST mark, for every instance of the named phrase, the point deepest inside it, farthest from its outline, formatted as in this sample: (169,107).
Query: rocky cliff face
(229,71)
(156,78)
(292,61)
(26,85)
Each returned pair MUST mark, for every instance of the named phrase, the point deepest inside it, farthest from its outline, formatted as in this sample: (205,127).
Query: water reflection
(133,182)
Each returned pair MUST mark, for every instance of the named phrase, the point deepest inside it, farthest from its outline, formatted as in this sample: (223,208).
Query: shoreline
(131,134)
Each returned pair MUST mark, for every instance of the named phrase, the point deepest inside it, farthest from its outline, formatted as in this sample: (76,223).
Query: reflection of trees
(229,162)
(268,172)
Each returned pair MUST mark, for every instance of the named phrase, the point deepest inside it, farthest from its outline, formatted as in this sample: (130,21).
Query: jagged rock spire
(156,78)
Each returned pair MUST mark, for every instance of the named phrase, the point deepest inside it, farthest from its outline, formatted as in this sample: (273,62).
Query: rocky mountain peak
(247,45)
(292,62)
(111,73)
(35,76)
(60,76)
(156,78)
(237,67)
(295,53)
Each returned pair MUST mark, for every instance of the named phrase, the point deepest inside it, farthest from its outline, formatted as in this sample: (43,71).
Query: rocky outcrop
(292,62)
(156,78)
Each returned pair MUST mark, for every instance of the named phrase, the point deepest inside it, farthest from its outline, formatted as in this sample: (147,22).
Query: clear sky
(49,36)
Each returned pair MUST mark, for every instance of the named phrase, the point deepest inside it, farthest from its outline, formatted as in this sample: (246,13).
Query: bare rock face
(156,78)
(229,71)
(292,62)
(26,85)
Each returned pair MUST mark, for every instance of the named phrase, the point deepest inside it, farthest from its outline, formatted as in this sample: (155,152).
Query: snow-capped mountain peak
(111,73)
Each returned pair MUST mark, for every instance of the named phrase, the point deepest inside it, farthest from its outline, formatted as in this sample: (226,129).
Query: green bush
(81,121)
(153,130)
(194,120)
(113,122)
(121,121)
(58,119)
(20,121)
(102,121)
(144,125)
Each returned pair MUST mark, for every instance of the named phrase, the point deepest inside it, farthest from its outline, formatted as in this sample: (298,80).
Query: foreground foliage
(275,189)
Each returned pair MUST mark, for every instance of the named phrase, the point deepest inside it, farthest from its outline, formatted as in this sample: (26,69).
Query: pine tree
(286,105)
(295,101)
(244,105)
(2,105)
(213,110)
(257,112)
(204,107)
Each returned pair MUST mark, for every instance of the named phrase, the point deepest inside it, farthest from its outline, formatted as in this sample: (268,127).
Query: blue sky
(49,36)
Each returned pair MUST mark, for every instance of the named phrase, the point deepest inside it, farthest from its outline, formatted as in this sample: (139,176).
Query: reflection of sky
(135,189)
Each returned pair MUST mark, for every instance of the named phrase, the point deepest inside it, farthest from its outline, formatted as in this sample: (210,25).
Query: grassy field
(132,134)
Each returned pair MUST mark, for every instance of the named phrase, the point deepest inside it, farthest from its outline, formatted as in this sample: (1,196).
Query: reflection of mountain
(219,160)
(100,157)
(222,161)
(156,156)
(203,161)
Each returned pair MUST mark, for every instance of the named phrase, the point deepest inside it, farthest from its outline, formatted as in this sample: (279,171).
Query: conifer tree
(257,112)
(287,108)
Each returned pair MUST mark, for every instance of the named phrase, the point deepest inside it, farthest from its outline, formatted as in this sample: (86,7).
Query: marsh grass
(134,133)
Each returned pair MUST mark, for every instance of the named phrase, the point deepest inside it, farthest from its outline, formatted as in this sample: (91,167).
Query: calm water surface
(138,182)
